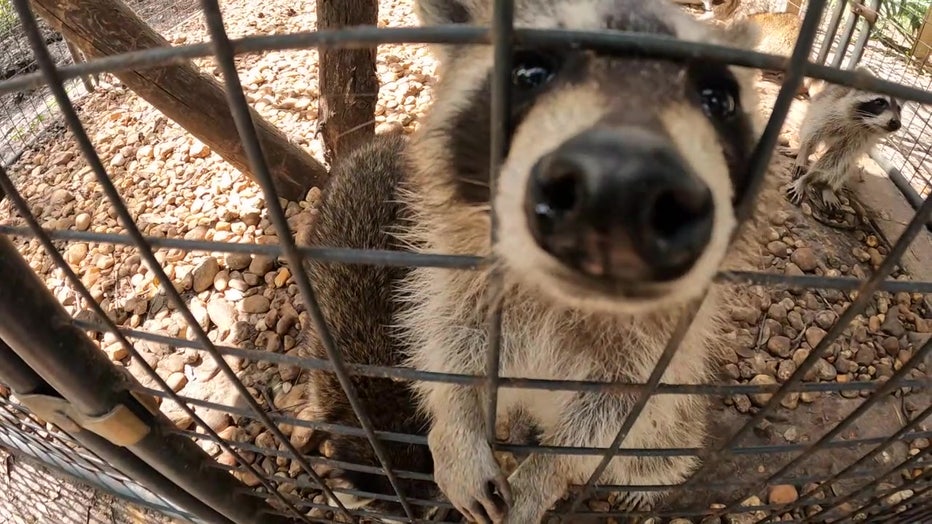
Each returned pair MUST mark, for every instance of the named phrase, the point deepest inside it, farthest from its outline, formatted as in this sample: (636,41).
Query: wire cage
(181,459)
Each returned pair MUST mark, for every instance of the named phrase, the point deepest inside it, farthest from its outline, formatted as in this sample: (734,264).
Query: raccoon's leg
(464,467)
(807,142)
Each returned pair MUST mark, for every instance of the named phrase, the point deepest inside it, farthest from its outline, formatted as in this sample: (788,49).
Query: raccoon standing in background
(615,205)
(848,122)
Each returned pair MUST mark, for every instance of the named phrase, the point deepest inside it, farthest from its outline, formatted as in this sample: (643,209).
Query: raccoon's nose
(619,204)
(893,125)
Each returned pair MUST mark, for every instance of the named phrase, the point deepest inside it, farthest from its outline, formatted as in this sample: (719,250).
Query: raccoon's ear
(440,12)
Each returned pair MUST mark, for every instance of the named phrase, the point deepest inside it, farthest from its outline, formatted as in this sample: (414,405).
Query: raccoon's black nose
(893,125)
(619,204)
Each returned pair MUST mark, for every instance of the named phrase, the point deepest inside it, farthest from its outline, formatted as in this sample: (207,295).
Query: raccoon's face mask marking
(622,171)
(879,112)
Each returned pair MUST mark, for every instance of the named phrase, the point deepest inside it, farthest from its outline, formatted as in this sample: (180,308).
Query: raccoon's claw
(797,171)
(830,200)
(493,506)
(469,476)
(795,194)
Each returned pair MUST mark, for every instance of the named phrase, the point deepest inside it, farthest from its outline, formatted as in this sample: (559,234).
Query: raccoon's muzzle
(619,204)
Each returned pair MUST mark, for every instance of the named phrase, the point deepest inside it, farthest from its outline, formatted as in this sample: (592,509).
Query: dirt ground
(176,187)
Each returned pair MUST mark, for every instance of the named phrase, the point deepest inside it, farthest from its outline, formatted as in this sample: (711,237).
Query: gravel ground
(33,494)
(176,187)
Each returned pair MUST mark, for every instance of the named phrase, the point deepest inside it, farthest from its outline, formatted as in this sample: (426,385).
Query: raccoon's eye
(532,70)
(880,103)
(718,102)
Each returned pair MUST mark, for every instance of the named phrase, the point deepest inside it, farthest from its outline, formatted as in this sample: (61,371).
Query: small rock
(176,381)
(873,323)
(777,248)
(199,150)
(814,335)
(222,280)
(782,494)
(898,497)
(61,197)
(281,278)
(261,265)
(779,346)
(173,363)
(824,370)
(76,253)
(742,403)
(761,399)
(777,312)
(116,351)
(825,319)
(255,304)
(779,218)
(785,370)
(844,365)
(221,313)
(793,270)
(805,258)
(63,158)
(791,434)
(203,276)
(866,355)
(82,222)
(238,261)
(892,326)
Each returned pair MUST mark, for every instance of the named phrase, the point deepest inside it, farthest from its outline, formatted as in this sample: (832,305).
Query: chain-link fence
(134,315)
(893,41)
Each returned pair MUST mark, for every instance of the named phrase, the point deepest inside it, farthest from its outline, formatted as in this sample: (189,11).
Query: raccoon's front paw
(468,474)
(830,201)
(795,192)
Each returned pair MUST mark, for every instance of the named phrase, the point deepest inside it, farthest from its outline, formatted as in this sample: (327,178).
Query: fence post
(97,395)
(923,46)
(868,15)
(830,31)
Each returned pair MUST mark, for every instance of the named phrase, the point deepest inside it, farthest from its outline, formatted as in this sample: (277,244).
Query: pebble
(761,399)
(255,304)
(779,346)
(785,370)
(793,270)
(824,370)
(281,277)
(892,326)
(805,258)
(76,253)
(82,222)
(238,261)
(782,494)
(866,355)
(777,248)
(221,313)
(176,381)
(777,312)
(814,335)
(203,275)
(60,197)
(261,265)
(221,280)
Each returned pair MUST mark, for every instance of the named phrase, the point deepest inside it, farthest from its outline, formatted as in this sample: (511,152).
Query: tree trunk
(183,93)
(349,86)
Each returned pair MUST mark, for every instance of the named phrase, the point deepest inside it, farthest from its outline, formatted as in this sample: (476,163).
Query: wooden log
(182,92)
(349,86)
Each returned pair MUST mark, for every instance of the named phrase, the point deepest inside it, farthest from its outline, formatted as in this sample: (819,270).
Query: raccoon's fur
(600,308)
(848,122)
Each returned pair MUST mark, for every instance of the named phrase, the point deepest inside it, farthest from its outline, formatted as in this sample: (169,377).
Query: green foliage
(906,14)
(8,18)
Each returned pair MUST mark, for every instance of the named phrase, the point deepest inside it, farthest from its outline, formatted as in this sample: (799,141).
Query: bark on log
(349,86)
(183,93)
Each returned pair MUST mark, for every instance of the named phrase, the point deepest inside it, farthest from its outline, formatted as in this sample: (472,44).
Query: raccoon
(615,206)
(361,207)
(848,122)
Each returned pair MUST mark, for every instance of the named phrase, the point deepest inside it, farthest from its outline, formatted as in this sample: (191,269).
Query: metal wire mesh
(865,481)
(23,433)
